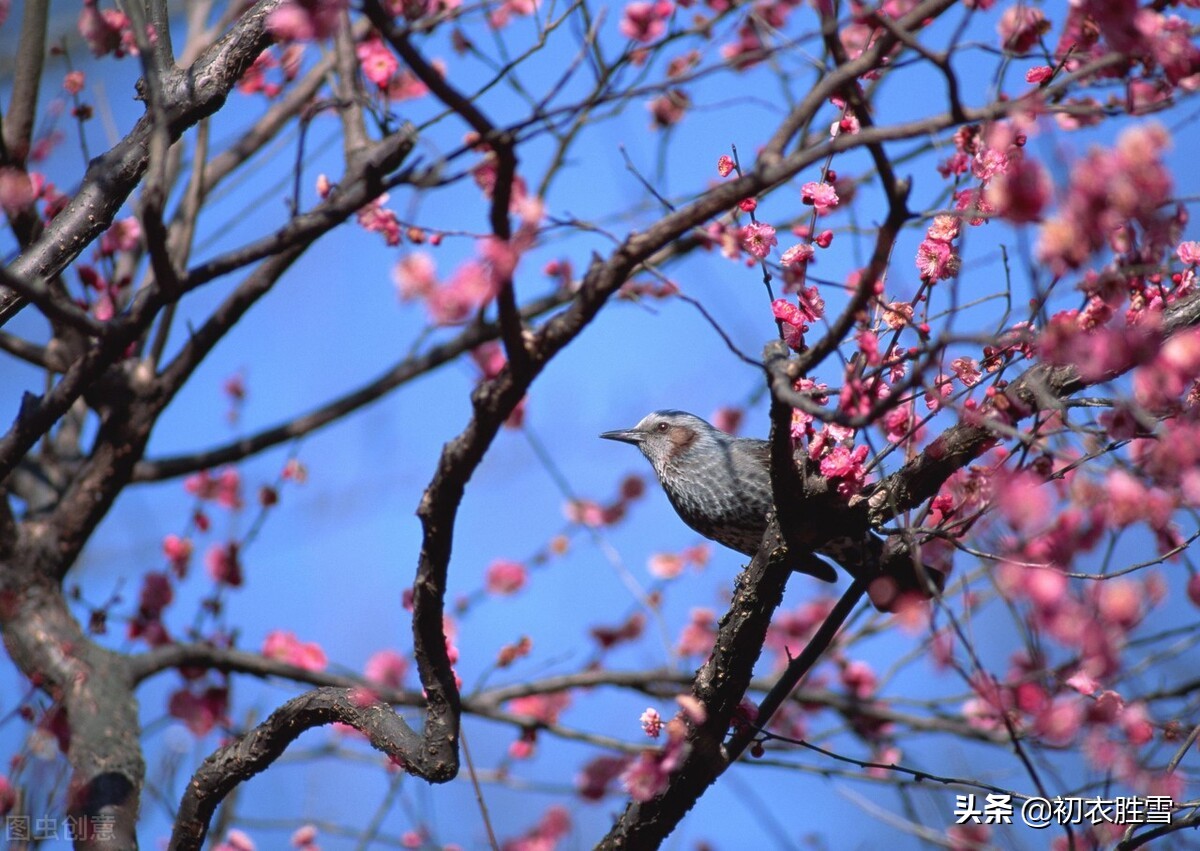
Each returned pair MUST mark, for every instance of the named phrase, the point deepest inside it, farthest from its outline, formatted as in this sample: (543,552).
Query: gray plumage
(720,485)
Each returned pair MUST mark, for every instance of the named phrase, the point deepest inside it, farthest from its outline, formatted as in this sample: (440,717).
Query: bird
(720,486)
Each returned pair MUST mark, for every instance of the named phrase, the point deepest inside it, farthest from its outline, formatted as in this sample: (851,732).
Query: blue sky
(332,560)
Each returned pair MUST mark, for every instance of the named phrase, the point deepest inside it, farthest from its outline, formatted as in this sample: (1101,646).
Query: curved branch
(258,749)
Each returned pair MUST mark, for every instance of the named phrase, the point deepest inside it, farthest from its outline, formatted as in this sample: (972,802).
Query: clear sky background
(332,561)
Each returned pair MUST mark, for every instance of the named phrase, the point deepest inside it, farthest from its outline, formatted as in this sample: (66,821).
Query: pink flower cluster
(283,646)
(106,31)
(671,565)
(225,488)
(822,197)
(646,21)
(305,20)
(1110,191)
(587,512)
(554,826)
(504,577)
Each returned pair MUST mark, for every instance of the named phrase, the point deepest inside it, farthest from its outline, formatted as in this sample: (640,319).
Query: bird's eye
(662,427)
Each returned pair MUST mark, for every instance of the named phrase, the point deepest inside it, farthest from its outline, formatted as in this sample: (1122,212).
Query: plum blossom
(106,30)
(646,21)
(386,668)
(1020,27)
(652,722)
(1021,192)
(798,254)
(821,196)
(378,63)
(847,466)
(201,711)
(1189,253)
(223,564)
(1108,190)
(598,774)
(305,20)
(505,577)
(283,646)
(936,260)
(757,239)
(377,218)
(698,636)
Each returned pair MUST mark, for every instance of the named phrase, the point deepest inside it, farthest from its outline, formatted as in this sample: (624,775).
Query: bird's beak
(625,435)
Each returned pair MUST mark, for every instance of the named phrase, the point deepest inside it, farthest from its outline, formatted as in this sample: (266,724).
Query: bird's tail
(895,576)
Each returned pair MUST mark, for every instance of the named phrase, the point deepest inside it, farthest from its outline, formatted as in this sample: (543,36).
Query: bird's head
(669,436)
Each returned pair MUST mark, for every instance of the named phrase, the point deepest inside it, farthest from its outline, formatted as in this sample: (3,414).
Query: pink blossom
(898,314)
(305,20)
(16,190)
(668,109)
(665,565)
(858,678)
(541,707)
(652,722)
(794,322)
(598,774)
(1189,253)
(200,712)
(156,595)
(646,21)
(1060,721)
(944,227)
(798,254)
(1024,501)
(1022,192)
(179,552)
(283,646)
(646,777)
(698,636)
(821,196)
(757,239)
(847,466)
(377,218)
(812,306)
(1109,189)
(223,564)
(693,710)
(305,838)
(122,235)
(505,577)
(1082,683)
(105,31)
(936,260)
(967,370)
(1039,74)
(236,840)
(378,63)
(73,82)
(1020,28)
(508,8)
(1135,722)
(415,275)
(724,165)
(225,489)
(386,668)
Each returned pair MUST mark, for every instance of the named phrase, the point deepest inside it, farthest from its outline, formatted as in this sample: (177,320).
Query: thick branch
(112,176)
(257,750)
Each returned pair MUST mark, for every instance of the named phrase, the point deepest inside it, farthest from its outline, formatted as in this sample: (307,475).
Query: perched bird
(720,485)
